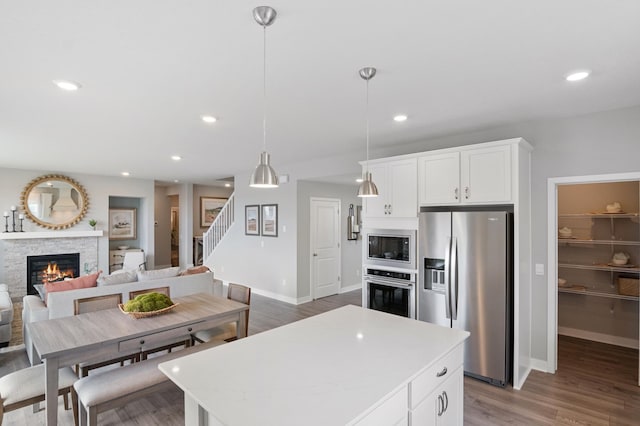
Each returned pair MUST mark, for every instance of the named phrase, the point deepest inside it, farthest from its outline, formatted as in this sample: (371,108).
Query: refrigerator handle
(453,279)
(447,278)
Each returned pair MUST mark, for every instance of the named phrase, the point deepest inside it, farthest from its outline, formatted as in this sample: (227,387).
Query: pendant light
(264,176)
(367,187)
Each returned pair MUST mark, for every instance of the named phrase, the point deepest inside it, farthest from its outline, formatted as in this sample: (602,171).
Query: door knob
(315,254)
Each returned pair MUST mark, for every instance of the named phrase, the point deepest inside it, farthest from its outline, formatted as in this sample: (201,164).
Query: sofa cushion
(195,270)
(157,274)
(84,281)
(119,278)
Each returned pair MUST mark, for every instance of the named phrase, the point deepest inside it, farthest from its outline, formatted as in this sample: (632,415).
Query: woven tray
(138,315)
(628,286)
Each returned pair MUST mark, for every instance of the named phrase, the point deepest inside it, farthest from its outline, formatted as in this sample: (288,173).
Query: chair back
(96,303)
(161,290)
(241,293)
(134,260)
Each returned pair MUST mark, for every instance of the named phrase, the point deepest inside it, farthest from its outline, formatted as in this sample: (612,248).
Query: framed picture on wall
(252,219)
(209,210)
(270,220)
(122,224)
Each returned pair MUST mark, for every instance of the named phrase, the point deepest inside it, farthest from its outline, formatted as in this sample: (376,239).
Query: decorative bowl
(123,247)
(565,232)
(138,315)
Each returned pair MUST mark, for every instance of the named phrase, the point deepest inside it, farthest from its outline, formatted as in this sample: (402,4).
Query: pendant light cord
(367,125)
(264,88)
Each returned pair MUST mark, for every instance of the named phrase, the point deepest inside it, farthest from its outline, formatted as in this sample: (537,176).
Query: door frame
(312,241)
(552,252)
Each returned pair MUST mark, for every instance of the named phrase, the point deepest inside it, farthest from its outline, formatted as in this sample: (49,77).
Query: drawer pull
(190,329)
(142,341)
(441,372)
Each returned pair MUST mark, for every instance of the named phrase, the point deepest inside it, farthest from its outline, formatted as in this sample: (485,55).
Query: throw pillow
(195,270)
(41,292)
(72,284)
(158,273)
(119,278)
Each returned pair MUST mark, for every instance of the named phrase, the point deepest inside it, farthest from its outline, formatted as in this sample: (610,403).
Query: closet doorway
(594,253)
(175,230)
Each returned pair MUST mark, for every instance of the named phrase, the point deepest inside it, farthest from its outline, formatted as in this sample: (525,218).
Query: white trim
(276,296)
(352,287)
(539,365)
(49,234)
(599,337)
(552,254)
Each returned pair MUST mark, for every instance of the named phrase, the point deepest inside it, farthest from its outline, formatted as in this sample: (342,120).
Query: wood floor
(596,384)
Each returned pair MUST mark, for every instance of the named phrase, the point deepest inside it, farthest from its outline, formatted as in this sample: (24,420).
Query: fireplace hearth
(51,268)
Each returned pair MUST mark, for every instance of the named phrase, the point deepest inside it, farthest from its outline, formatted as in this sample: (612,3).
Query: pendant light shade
(367,187)
(264,176)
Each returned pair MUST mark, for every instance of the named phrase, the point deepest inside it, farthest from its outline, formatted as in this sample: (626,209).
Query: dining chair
(227,332)
(93,304)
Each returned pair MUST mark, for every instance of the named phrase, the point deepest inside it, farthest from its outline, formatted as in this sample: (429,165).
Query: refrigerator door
(433,251)
(481,284)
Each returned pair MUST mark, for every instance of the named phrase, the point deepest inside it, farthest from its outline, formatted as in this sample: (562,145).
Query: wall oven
(390,291)
(391,247)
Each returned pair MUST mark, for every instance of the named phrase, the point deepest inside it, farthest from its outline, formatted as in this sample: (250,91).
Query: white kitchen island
(344,367)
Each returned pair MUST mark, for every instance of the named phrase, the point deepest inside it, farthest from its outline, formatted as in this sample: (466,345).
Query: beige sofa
(60,304)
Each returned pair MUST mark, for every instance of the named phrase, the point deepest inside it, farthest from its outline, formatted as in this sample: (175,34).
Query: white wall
(351,250)
(600,143)
(99,189)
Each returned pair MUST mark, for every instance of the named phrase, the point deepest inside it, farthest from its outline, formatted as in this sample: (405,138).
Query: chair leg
(74,401)
(83,414)
(93,416)
(65,398)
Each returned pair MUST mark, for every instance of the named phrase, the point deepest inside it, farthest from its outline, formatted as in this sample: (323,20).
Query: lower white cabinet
(443,406)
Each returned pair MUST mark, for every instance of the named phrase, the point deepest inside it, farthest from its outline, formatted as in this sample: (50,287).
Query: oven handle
(377,280)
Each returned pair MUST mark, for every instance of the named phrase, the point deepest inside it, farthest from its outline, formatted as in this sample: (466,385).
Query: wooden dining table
(111,333)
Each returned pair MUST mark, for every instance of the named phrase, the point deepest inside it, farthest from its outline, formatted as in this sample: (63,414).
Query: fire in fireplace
(51,268)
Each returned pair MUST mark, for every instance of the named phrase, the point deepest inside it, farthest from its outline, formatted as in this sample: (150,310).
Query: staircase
(218,229)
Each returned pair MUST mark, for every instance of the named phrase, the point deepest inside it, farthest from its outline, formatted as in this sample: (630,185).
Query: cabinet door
(439,179)
(377,206)
(402,177)
(486,175)
(444,406)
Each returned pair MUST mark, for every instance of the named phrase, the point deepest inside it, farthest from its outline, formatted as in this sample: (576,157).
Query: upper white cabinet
(466,176)
(397,189)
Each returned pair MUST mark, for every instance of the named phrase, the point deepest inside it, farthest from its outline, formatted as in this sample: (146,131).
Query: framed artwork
(209,210)
(122,224)
(252,219)
(270,220)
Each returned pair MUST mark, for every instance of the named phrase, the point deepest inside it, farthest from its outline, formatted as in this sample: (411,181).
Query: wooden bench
(114,388)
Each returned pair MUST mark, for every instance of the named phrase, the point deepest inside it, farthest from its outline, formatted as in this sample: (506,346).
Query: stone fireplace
(16,247)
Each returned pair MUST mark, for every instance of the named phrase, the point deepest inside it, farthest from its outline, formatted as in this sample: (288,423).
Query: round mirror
(54,201)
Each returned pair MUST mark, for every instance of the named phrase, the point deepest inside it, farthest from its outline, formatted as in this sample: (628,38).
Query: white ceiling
(150,68)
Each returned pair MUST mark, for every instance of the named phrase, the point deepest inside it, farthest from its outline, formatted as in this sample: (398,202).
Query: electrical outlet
(539,268)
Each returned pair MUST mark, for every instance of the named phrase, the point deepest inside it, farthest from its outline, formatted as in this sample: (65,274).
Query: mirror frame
(24,200)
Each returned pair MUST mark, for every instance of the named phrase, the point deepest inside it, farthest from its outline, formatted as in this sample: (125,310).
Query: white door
(439,178)
(403,188)
(325,247)
(486,175)
(378,206)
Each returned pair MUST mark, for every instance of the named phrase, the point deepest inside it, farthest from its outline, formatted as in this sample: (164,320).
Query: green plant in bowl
(148,302)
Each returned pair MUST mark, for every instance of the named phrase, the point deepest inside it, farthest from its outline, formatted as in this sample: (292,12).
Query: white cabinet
(397,189)
(466,176)
(444,406)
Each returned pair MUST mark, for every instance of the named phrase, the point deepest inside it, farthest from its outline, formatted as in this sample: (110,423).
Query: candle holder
(13,213)
(6,224)
(21,220)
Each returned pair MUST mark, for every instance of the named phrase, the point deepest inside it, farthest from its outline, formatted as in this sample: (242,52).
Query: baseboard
(349,288)
(539,365)
(524,379)
(162,266)
(272,295)
(599,337)
(302,300)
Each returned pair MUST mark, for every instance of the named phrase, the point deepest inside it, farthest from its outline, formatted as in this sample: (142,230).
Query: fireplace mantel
(49,234)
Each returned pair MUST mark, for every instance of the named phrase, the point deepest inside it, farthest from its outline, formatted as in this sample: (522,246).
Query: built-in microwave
(391,247)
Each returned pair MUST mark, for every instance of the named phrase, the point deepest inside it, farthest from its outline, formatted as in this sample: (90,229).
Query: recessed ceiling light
(67,85)
(125,173)
(176,158)
(176,181)
(227,185)
(359,180)
(209,119)
(578,75)
(400,118)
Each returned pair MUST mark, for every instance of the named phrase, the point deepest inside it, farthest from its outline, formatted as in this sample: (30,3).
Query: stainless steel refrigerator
(466,281)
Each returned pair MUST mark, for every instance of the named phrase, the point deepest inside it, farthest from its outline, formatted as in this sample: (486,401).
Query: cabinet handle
(446,401)
(455,193)
(466,192)
(190,329)
(440,405)
(142,341)
(441,372)
(390,209)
